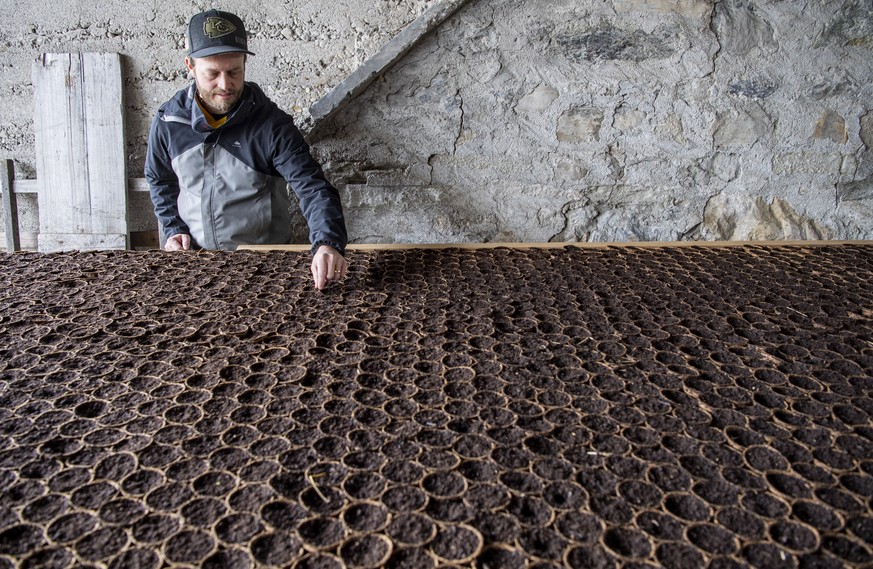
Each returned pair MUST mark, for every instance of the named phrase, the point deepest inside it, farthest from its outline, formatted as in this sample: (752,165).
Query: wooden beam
(361,78)
(137,185)
(25,186)
(10,207)
(603,245)
(32,186)
(80,158)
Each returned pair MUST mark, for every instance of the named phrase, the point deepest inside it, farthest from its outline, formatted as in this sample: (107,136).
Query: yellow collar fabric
(212,121)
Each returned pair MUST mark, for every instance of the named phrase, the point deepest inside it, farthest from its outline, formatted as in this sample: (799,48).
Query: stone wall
(618,121)
(573,120)
(303,49)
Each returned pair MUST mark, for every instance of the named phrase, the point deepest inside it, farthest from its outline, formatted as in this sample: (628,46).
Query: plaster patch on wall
(630,213)
(726,167)
(537,100)
(740,29)
(378,214)
(628,119)
(807,163)
(744,128)
(689,8)
(568,170)
(735,217)
(579,125)
(673,128)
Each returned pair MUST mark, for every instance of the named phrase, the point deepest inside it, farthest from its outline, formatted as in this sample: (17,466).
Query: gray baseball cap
(213,32)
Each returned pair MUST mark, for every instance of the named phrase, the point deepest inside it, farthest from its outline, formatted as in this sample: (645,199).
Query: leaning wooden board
(81,170)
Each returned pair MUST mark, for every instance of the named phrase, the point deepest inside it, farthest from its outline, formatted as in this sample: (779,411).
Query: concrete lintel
(396,48)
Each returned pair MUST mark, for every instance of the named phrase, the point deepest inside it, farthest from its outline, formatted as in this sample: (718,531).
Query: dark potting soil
(634,407)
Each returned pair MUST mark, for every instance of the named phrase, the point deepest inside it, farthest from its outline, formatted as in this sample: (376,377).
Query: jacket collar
(182,108)
(198,120)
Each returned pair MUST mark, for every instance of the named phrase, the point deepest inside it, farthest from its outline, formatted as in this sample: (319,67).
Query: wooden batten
(587,245)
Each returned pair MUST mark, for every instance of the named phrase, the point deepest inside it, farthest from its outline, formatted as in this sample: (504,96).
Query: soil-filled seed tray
(501,408)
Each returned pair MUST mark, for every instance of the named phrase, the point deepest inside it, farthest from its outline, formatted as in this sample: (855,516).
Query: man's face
(219,80)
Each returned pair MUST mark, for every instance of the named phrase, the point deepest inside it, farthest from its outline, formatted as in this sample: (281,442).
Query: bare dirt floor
(503,408)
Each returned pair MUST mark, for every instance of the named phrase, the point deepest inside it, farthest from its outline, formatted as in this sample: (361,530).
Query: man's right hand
(178,242)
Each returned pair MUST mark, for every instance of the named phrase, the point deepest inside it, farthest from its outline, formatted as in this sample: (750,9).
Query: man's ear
(189,63)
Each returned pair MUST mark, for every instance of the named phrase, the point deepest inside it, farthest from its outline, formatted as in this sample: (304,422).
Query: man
(221,154)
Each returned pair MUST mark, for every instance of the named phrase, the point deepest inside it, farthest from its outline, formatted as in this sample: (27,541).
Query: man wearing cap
(221,154)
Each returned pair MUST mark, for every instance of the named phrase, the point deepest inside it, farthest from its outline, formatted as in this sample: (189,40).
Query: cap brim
(216,50)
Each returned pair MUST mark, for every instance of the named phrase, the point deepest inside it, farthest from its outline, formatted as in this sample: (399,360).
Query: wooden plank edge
(54,242)
(29,186)
(587,245)
(10,208)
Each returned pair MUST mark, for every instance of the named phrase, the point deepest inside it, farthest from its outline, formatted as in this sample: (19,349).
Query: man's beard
(218,106)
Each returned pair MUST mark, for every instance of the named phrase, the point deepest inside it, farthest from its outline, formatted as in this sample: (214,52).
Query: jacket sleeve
(163,182)
(319,200)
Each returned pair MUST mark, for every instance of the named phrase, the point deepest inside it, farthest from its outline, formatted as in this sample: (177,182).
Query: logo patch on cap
(215,28)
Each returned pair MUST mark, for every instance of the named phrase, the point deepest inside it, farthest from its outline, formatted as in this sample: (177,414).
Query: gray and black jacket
(227,186)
